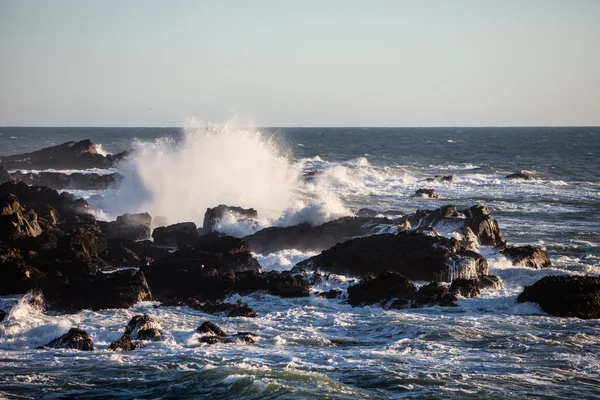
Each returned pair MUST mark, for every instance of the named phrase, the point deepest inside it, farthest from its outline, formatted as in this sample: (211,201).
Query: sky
(300,63)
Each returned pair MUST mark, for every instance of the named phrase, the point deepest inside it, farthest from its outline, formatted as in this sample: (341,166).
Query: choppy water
(488,347)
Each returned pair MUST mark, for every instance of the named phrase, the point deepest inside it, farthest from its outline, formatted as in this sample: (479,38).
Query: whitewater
(487,347)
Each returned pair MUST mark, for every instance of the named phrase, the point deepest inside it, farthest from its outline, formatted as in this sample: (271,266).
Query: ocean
(488,347)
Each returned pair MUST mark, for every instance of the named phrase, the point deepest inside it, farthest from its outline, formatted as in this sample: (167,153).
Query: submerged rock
(214,215)
(74,339)
(209,327)
(426,193)
(519,175)
(229,309)
(440,178)
(125,344)
(241,337)
(331,294)
(178,235)
(528,256)
(143,327)
(565,296)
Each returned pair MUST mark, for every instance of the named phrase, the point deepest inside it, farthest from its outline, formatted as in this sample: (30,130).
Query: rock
(69,155)
(519,175)
(387,286)
(528,256)
(2,315)
(4,175)
(565,296)
(229,309)
(465,287)
(366,213)
(490,282)
(426,193)
(484,226)
(74,339)
(120,289)
(143,327)
(125,344)
(179,235)
(209,327)
(129,227)
(15,221)
(412,254)
(15,275)
(243,338)
(331,294)
(440,178)
(305,237)
(214,215)
(60,180)
(435,294)
(136,254)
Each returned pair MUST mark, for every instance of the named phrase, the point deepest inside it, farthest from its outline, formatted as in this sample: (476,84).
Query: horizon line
(306,126)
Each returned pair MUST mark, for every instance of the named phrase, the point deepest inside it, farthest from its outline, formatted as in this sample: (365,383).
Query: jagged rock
(465,287)
(426,193)
(209,327)
(528,256)
(120,289)
(387,286)
(2,315)
(434,293)
(125,344)
(129,227)
(305,237)
(519,175)
(229,309)
(60,180)
(414,255)
(241,337)
(366,213)
(440,178)
(565,296)
(143,327)
(4,175)
(15,221)
(484,226)
(216,214)
(490,282)
(331,294)
(74,339)
(69,155)
(78,252)
(15,275)
(179,235)
(136,254)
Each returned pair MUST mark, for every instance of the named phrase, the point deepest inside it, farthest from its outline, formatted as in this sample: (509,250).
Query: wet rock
(565,296)
(242,338)
(484,226)
(143,327)
(69,155)
(490,282)
(331,294)
(440,178)
(129,227)
(414,255)
(214,215)
(209,327)
(2,315)
(74,339)
(305,237)
(528,256)
(15,221)
(15,275)
(426,193)
(519,175)
(229,309)
(366,212)
(59,180)
(179,235)
(120,289)
(125,344)
(465,287)
(434,293)
(125,253)
(385,287)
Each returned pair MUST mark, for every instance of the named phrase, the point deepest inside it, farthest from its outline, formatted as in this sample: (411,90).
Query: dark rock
(136,254)
(229,309)
(490,282)
(216,214)
(528,256)
(387,286)
(242,337)
(15,275)
(15,221)
(426,193)
(69,155)
(366,212)
(565,296)
(484,226)
(435,293)
(125,344)
(120,289)
(305,237)
(129,227)
(440,178)
(2,315)
(179,235)
(465,287)
(331,294)
(4,175)
(519,175)
(60,180)
(143,327)
(209,327)
(74,339)
(414,255)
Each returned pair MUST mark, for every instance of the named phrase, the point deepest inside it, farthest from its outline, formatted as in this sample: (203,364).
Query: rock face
(125,344)
(129,227)
(426,193)
(59,180)
(387,286)
(69,155)
(565,296)
(4,175)
(74,339)
(434,293)
(179,235)
(415,255)
(214,215)
(528,256)
(143,327)
(519,175)
(15,221)
(465,287)
(305,237)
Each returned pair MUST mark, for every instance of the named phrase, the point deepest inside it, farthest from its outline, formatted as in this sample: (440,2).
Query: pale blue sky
(300,63)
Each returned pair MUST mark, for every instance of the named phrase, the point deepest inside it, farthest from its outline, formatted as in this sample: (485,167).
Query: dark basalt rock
(15,275)
(440,178)
(143,327)
(434,293)
(128,227)
(243,338)
(366,213)
(136,254)
(229,309)
(125,344)
(565,296)
(519,175)
(5,176)
(426,193)
(209,327)
(331,294)
(305,237)
(74,339)
(490,282)
(528,256)
(412,254)
(120,289)
(2,315)
(387,286)
(60,180)
(214,215)
(179,235)
(69,155)
(465,287)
